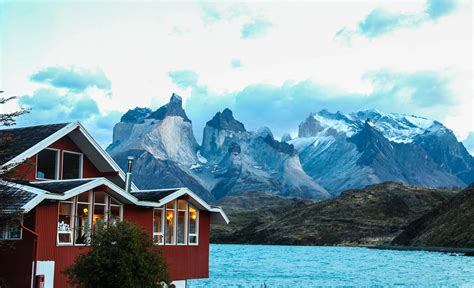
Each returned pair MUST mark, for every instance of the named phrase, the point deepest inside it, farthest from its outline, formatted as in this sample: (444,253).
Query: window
(193,225)
(100,205)
(91,208)
(170,223)
(11,231)
(72,165)
(47,164)
(83,214)
(158,225)
(177,222)
(65,225)
(181,225)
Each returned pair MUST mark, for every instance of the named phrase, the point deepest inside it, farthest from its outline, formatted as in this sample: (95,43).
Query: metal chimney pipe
(128,176)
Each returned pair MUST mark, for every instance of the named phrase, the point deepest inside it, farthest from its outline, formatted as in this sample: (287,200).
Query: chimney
(128,176)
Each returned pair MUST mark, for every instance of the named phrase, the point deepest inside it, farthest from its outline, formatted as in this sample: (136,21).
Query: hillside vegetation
(370,216)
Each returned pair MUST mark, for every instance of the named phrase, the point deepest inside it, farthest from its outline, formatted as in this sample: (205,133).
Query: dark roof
(58,187)
(13,198)
(154,195)
(17,140)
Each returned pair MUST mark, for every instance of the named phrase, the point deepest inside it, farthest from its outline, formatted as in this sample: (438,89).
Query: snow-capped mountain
(333,152)
(353,150)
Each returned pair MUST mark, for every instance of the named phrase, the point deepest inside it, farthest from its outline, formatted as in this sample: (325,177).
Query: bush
(120,255)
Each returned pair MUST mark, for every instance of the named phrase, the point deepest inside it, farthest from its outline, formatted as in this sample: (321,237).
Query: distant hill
(450,225)
(370,216)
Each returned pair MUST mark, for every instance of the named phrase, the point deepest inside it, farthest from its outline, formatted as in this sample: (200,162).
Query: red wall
(27,170)
(16,261)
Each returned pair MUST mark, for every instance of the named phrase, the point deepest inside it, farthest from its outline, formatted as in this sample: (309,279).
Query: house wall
(184,261)
(27,170)
(16,261)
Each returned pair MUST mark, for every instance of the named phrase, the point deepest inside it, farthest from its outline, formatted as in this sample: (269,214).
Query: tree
(9,195)
(120,255)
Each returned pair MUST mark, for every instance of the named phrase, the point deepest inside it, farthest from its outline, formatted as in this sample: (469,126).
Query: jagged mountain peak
(173,108)
(136,115)
(264,132)
(286,137)
(225,121)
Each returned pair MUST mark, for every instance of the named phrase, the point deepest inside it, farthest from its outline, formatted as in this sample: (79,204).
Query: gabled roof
(36,192)
(14,198)
(43,136)
(17,140)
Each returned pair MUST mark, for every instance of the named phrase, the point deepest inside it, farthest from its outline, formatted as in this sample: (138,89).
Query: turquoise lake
(304,266)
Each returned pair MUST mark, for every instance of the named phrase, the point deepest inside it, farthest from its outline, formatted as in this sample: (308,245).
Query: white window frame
(174,222)
(81,163)
(72,224)
(56,167)
(91,204)
(162,230)
(89,215)
(4,233)
(185,221)
(189,235)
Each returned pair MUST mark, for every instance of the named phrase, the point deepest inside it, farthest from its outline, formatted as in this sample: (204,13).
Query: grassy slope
(370,216)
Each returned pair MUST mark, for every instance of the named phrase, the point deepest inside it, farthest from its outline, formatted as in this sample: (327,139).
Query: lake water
(303,266)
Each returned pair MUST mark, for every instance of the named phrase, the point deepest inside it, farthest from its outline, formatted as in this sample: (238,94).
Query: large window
(10,231)
(88,209)
(193,225)
(72,165)
(176,222)
(170,222)
(47,164)
(65,223)
(158,225)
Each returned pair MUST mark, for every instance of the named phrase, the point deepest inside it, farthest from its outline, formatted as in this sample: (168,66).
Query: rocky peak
(225,121)
(264,132)
(136,115)
(282,147)
(286,137)
(309,127)
(173,108)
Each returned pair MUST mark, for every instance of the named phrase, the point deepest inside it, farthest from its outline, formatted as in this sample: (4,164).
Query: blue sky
(272,63)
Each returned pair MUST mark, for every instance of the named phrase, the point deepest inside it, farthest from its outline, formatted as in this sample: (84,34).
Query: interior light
(193,216)
(85,210)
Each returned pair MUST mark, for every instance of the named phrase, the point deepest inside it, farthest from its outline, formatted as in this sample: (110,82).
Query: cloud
(283,107)
(438,8)
(184,78)
(257,28)
(235,63)
(380,22)
(72,78)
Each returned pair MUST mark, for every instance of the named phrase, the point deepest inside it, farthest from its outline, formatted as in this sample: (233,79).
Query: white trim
(56,168)
(81,164)
(41,145)
(45,143)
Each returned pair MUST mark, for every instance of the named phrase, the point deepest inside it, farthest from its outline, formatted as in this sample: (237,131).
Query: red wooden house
(64,183)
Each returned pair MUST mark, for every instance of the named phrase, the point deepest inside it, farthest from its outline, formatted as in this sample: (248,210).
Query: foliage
(121,255)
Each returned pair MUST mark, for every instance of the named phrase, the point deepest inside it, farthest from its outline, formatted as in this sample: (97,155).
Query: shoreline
(427,249)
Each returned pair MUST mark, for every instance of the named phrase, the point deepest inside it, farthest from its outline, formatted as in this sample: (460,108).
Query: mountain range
(333,152)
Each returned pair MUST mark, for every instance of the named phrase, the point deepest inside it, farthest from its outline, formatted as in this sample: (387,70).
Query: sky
(272,63)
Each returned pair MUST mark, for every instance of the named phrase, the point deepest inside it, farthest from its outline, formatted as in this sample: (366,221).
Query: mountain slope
(450,225)
(241,161)
(342,151)
(370,216)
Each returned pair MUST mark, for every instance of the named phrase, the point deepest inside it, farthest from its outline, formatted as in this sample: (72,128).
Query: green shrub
(120,255)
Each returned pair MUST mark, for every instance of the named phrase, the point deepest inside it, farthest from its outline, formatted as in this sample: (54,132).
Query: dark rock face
(449,225)
(151,173)
(225,121)
(370,216)
(173,108)
(136,115)
(282,147)
(310,127)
